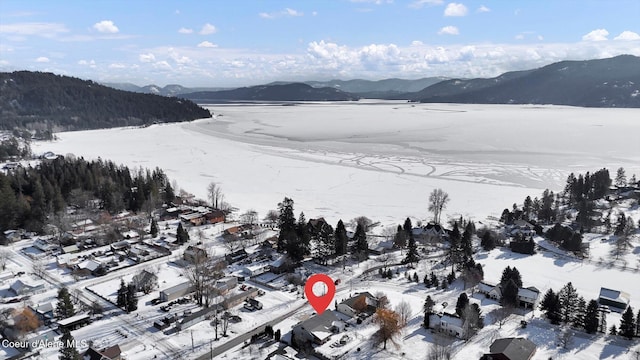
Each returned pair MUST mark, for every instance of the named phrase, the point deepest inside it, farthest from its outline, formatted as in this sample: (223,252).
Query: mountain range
(612,82)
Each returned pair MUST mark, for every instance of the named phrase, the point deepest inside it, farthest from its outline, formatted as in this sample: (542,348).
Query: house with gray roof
(317,329)
(511,349)
(614,299)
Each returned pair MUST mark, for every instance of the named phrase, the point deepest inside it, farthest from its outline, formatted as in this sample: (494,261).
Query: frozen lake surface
(378,159)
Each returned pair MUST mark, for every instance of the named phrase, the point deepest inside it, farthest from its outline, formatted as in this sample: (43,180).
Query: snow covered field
(378,159)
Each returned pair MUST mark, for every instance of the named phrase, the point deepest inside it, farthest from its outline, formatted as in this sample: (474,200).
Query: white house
(615,299)
(351,306)
(256,268)
(528,297)
(449,324)
(20,287)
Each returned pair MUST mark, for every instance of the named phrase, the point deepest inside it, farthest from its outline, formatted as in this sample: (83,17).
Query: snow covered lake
(374,158)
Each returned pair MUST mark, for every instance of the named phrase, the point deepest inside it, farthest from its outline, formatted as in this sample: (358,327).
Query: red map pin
(319,303)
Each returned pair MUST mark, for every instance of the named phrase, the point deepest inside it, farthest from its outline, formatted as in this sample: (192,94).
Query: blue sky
(237,43)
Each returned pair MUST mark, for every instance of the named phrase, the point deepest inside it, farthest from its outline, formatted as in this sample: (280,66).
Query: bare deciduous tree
(38,267)
(404,311)
(5,255)
(249,217)
(389,327)
(438,351)
(437,203)
(271,217)
(214,193)
(501,315)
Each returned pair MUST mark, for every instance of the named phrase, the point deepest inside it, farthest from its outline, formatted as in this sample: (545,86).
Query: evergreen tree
(487,241)
(428,310)
(568,298)
(551,306)
(621,177)
(510,294)
(591,317)
(579,317)
(466,245)
(628,324)
(131,298)
(461,303)
(286,224)
(360,246)
(300,247)
(400,239)
(613,330)
(511,274)
(434,279)
(64,308)
(412,253)
(415,277)
(638,323)
(341,238)
(182,235)
(407,227)
(153,228)
(121,299)
(68,349)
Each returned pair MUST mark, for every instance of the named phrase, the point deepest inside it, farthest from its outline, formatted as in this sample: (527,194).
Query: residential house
(70,249)
(450,324)
(89,267)
(215,216)
(510,349)
(359,303)
(522,228)
(256,269)
(614,299)
(43,244)
(44,311)
(177,291)
(20,287)
(528,297)
(317,329)
(110,353)
(490,291)
(225,284)
(281,264)
(194,254)
(429,234)
(236,256)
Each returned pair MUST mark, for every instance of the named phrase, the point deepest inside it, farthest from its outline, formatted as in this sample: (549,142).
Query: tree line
(31,196)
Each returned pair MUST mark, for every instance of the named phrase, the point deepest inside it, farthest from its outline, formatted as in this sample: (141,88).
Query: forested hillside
(40,101)
(31,196)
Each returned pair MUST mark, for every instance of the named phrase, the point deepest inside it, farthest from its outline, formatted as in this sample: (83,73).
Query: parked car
(249,307)
(261,292)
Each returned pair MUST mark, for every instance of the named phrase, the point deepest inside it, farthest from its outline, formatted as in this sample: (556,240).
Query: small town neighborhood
(189,279)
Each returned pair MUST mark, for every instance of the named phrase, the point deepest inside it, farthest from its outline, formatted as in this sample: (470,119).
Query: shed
(177,291)
(614,299)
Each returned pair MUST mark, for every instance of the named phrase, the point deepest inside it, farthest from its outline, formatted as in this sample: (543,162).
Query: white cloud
(90,63)
(627,35)
(207,44)
(314,13)
(106,26)
(33,28)
(417,4)
(596,35)
(519,37)
(162,65)
(483,9)
(117,66)
(208,29)
(147,58)
(455,9)
(287,12)
(540,37)
(449,30)
(42,59)
(377,2)
(185,31)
